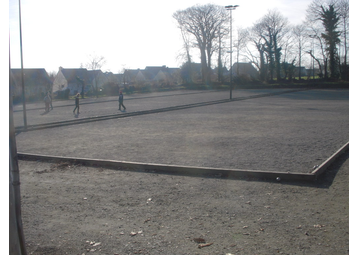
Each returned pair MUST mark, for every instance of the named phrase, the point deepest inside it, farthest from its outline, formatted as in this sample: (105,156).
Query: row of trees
(203,27)
(271,44)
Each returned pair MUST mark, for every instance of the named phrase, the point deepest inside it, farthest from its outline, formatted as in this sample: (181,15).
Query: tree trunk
(204,66)
(277,51)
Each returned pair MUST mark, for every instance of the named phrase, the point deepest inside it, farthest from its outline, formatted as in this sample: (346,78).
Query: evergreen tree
(330,19)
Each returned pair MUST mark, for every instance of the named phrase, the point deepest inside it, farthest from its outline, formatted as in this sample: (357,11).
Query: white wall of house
(60,82)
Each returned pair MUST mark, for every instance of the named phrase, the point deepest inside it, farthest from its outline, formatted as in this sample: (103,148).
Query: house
(152,74)
(70,79)
(133,76)
(313,71)
(245,69)
(118,77)
(225,74)
(36,83)
(162,74)
(297,70)
(77,80)
(95,79)
(109,78)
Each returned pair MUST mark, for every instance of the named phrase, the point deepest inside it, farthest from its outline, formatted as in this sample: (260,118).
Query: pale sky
(128,34)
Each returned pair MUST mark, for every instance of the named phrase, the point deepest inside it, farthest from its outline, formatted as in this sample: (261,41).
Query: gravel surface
(90,107)
(75,209)
(72,209)
(290,133)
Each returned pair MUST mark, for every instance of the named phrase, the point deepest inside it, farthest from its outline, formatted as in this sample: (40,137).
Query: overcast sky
(128,34)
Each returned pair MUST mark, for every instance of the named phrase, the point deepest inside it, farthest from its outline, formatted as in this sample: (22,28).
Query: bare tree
(186,54)
(259,59)
(315,29)
(315,19)
(220,49)
(275,28)
(343,10)
(300,37)
(204,23)
(95,63)
(242,38)
(272,28)
(288,52)
(318,56)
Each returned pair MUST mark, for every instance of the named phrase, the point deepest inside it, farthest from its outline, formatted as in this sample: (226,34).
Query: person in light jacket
(47,101)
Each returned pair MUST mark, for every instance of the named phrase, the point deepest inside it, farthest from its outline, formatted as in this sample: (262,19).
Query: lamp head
(231,7)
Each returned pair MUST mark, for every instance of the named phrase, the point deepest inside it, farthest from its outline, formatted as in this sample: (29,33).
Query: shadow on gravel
(326,179)
(342,94)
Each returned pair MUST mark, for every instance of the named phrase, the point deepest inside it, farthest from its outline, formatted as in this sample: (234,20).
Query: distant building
(36,82)
(245,69)
(152,74)
(310,72)
(303,71)
(78,79)
(70,78)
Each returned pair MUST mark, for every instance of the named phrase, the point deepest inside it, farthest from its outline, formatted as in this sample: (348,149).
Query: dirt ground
(72,209)
(76,209)
(291,132)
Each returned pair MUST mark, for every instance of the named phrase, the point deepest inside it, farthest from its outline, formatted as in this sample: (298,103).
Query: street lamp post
(22,72)
(312,36)
(230,8)
(313,58)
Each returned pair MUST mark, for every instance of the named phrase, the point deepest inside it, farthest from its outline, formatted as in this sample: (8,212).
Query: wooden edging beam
(323,167)
(191,170)
(176,169)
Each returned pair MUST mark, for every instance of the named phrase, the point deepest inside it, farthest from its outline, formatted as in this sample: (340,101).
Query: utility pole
(16,232)
(312,36)
(230,8)
(22,72)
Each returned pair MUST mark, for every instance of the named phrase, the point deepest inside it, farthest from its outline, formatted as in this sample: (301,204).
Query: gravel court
(91,107)
(290,132)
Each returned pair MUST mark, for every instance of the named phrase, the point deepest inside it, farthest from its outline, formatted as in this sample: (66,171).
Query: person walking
(47,103)
(120,99)
(49,94)
(77,103)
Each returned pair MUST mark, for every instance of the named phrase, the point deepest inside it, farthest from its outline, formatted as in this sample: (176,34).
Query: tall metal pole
(230,8)
(230,54)
(22,72)
(313,58)
(312,36)
(16,232)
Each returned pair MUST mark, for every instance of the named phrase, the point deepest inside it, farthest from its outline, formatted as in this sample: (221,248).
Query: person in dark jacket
(49,94)
(120,99)
(77,102)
